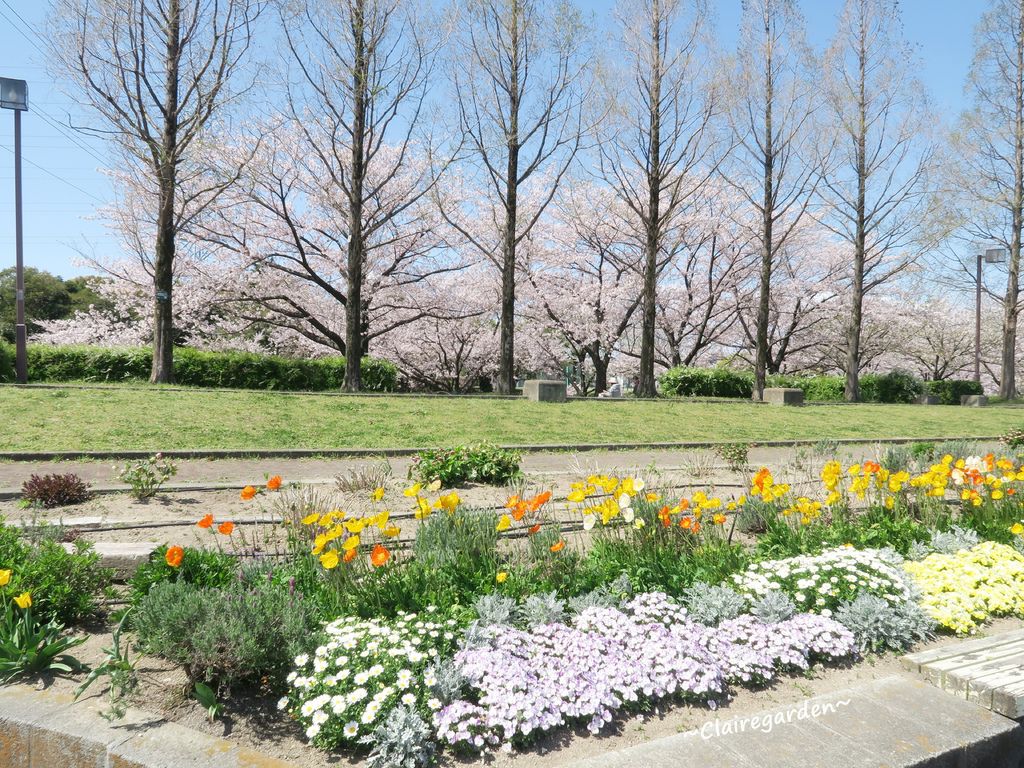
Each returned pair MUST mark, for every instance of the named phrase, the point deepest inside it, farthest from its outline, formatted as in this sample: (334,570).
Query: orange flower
(274,483)
(558,546)
(534,529)
(379,556)
(350,555)
(174,556)
(226,528)
(686,522)
(206,522)
(539,501)
(696,526)
(248,493)
(665,515)
(718,519)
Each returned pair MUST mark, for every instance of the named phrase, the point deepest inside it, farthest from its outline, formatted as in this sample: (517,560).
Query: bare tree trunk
(1008,379)
(767,243)
(506,350)
(356,255)
(162,371)
(853,334)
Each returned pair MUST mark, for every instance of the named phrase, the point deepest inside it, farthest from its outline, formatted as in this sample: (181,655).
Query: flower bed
(664,603)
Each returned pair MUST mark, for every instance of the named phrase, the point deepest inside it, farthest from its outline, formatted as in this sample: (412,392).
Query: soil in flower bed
(251,719)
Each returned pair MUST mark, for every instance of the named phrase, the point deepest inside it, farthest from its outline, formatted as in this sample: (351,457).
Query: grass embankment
(121,418)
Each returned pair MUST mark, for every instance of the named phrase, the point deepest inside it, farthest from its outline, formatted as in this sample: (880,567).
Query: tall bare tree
(658,151)
(989,145)
(364,71)
(876,191)
(777,165)
(158,76)
(519,74)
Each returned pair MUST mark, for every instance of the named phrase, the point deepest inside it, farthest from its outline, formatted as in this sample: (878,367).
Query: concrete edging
(342,453)
(44,729)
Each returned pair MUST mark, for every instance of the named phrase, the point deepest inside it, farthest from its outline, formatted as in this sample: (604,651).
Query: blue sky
(63,183)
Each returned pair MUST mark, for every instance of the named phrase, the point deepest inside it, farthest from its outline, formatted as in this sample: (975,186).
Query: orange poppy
(686,522)
(226,528)
(539,501)
(519,511)
(512,502)
(696,526)
(664,514)
(534,529)
(274,483)
(558,546)
(350,555)
(379,556)
(174,556)
(206,522)
(248,493)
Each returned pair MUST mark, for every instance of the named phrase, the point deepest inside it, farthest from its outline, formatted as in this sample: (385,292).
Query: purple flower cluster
(525,681)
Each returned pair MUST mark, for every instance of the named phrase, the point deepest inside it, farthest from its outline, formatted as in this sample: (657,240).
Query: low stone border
(43,729)
(342,453)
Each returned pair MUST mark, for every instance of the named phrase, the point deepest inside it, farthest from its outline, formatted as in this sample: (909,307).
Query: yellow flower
(434,486)
(448,502)
(378,494)
(422,509)
(577,496)
(413,490)
(329,559)
(24,600)
(391,531)
(1016,529)
(311,519)
(319,543)
(501,577)
(350,543)
(5,577)
(504,523)
(652,496)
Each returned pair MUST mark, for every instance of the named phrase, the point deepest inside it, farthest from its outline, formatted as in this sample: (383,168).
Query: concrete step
(988,671)
(124,557)
(898,721)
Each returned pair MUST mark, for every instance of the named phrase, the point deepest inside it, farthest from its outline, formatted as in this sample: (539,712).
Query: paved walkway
(896,721)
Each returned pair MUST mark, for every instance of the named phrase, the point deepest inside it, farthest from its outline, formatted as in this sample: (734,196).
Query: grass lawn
(125,419)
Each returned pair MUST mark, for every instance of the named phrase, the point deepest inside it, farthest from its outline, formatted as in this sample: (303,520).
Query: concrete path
(988,671)
(895,721)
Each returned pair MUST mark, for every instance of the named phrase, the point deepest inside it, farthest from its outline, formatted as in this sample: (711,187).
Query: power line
(58,178)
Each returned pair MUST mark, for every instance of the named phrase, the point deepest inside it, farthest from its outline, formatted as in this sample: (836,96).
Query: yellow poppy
(378,494)
(501,577)
(311,519)
(350,543)
(329,559)
(504,523)
(5,577)
(24,600)
(413,490)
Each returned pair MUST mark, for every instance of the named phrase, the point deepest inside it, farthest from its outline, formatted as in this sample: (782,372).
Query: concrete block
(544,390)
(974,401)
(124,557)
(928,400)
(784,396)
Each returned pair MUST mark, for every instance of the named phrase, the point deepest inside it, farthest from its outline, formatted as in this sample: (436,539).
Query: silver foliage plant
(546,608)
(880,625)
(403,740)
(774,607)
(712,605)
(610,595)
(952,541)
(494,609)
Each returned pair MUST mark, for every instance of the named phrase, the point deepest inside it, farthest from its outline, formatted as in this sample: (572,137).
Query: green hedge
(6,362)
(892,387)
(949,390)
(706,382)
(196,368)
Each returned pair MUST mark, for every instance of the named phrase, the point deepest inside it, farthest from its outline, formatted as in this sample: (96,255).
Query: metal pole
(977,323)
(20,335)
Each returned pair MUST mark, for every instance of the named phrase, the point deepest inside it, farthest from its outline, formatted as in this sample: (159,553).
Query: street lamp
(991,256)
(14,95)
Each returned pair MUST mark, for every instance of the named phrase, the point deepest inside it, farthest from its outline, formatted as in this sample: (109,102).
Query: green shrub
(197,368)
(6,362)
(949,391)
(244,633)
(466,464)
(65,586)
(199,568)
(706,382)
(893,387)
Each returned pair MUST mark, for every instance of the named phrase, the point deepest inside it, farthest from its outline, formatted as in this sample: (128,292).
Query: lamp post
(991,256)
(14,95)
